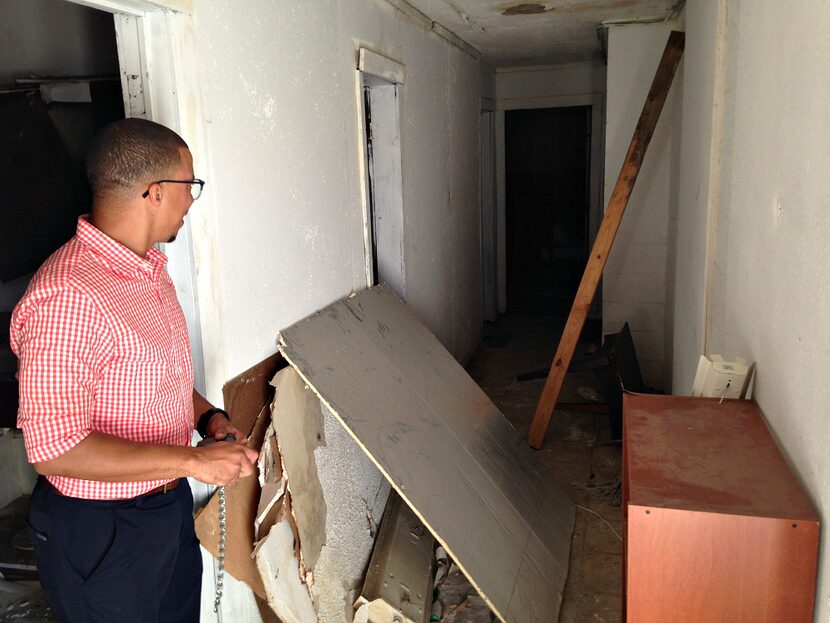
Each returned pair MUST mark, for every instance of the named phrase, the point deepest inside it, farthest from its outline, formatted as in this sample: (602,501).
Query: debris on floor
(593,588)
(460,603)
(302,546)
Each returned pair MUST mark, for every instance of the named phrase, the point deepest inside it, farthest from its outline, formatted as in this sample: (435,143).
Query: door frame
(488,175)
(376,71)
(159,78)
(596,208)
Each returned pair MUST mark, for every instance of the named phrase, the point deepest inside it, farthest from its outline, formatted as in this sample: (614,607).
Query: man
(106,396)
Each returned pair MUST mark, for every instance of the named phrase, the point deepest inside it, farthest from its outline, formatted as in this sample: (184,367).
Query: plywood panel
(443,445)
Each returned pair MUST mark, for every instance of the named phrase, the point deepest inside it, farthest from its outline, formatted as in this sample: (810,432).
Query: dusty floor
(576,451)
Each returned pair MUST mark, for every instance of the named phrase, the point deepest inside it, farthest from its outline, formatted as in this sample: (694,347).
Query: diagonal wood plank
(443,446)
(605,237)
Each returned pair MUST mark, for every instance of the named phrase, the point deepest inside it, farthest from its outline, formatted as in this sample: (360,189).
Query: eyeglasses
(196,187)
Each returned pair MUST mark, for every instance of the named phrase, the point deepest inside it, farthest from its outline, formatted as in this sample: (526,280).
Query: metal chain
(223,533)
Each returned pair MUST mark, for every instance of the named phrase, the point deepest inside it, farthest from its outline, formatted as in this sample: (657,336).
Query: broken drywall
(298,423)
(337,497)
(242,499)
(287,594)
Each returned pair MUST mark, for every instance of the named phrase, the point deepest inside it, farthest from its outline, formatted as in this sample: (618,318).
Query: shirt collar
(118,257)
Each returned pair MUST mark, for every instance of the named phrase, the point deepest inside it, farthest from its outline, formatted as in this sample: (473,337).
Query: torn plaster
(280,572)
(298,423)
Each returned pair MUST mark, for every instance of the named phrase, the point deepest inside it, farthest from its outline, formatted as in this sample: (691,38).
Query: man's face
(177,197)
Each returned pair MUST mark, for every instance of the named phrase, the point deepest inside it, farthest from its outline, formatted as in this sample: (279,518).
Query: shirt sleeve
(62,344)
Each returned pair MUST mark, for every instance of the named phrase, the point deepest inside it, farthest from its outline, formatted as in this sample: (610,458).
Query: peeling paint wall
(768,278)
(636,282)
(278,84)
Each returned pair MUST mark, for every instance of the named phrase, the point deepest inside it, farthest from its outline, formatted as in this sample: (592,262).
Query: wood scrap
(605,237)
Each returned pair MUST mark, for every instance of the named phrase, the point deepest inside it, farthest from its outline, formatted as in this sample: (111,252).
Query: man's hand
(220,427)
(223,463)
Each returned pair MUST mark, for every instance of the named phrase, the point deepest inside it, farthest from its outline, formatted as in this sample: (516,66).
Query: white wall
(545,86)
(282,233)
(699,157)
(278,88)
(636,275)
(577,84)
(768,280)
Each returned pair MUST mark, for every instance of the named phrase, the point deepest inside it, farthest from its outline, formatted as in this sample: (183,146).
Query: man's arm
(113,459)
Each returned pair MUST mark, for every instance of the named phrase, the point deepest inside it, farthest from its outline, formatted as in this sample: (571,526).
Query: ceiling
(511,33)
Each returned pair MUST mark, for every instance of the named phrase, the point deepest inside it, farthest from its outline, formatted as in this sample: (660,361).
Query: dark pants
(125,561)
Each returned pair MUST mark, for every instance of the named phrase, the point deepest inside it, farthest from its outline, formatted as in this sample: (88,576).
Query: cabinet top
(704,455)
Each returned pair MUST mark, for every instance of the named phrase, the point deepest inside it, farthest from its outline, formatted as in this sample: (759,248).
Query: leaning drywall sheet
(443,445)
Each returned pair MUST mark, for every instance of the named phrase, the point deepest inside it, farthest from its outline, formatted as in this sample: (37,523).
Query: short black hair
(130,152)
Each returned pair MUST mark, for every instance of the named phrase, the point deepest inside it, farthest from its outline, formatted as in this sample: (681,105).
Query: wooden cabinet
(717,528)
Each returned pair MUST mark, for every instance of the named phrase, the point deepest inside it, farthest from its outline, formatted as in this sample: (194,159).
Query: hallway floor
(577,453)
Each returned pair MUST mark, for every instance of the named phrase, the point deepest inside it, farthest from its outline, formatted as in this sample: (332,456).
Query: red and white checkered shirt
(102,346)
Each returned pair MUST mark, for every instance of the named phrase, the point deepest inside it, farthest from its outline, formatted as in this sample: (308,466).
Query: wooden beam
(605,237)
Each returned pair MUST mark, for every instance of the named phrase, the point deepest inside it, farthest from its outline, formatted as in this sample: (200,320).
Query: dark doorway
(548,155)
